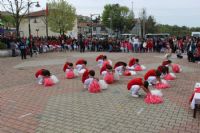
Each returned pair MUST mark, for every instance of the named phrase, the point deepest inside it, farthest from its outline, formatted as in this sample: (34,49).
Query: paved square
(26,107)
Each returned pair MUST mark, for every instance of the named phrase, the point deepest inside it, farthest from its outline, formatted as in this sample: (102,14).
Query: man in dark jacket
(22,48)
(190,51)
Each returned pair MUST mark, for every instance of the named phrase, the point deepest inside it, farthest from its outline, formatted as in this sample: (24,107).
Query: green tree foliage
(8,21)
(61,16)
(118,17)
(176,30)
(150,25)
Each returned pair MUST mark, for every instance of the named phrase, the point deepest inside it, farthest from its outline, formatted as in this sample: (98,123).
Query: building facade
(38,26)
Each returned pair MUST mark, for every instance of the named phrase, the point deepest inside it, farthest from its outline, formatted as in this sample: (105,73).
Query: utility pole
(132,8)
(47,12)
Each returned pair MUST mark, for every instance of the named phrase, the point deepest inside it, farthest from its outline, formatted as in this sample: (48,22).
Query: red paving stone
(22,101)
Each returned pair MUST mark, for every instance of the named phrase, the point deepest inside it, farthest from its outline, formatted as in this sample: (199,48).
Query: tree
(117,17)
(61,16)
(18,9)
(150,25)
(8,20)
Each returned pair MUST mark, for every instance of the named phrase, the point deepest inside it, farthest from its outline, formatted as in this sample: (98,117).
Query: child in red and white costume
(99,59)
(70,71)
(106,61)
(91,83)
(46,78)
(121,69)
(108,75)
(134,65)
(151,98)
(40,75)
(175,67)
(153,78)
(165,74)
(196,91)
(81,66)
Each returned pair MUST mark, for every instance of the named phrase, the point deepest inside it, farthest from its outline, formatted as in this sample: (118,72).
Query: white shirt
(88,82)
(79,67)
(136,41)
(119,69)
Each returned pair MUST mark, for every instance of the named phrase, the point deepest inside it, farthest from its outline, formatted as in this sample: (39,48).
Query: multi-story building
(38,26)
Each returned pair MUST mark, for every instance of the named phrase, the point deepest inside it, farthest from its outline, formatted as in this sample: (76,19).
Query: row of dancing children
(94,85)
(157,78)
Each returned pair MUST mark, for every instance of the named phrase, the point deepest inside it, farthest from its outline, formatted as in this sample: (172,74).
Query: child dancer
(81,66)
(175,67)
(134,65)
(106,61)
(91,83)
(138,67)
(108,75)
(134,86)
(121,69)
(153,78)
(165,73)
(40,75)
(99,59)
(46,78)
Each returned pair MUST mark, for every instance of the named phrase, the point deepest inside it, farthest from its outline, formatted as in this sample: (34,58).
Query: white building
(38,26)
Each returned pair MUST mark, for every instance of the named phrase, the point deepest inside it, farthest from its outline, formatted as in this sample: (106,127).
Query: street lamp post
(91,15)
(37,30)
(29,23)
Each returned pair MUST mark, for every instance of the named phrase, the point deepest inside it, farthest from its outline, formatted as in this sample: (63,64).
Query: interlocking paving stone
(68,108)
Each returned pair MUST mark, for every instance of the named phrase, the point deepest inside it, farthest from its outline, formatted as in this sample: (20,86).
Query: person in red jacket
(135,84)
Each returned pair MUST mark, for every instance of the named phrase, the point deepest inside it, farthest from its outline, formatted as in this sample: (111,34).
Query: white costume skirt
(55,79)
(103,85)
(134,89)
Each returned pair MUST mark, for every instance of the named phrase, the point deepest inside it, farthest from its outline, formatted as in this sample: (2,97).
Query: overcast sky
(179,12)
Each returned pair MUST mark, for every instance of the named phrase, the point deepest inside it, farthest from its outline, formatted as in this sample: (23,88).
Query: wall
(42,28)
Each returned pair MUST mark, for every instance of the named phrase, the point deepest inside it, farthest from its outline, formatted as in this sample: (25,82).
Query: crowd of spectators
(179,45)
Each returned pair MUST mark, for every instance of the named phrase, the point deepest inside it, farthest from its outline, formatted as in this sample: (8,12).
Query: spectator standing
(190,51)
(22,47)
(13,47)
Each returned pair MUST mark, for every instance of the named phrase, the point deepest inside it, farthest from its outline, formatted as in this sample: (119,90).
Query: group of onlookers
(35,45)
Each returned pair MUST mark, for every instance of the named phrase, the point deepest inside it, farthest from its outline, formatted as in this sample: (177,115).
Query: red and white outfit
(69,71)
(99,59)
(39,75)
(131,64)
(109,77)
(134,66)
(46,81)
(50,81)
(195,96)
(168,76)
(150,76)
(80,66)
(120,70)
(134,86)
(92,84)
(107,62)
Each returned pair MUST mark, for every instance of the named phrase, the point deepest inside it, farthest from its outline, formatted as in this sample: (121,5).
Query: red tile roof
(37,13)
